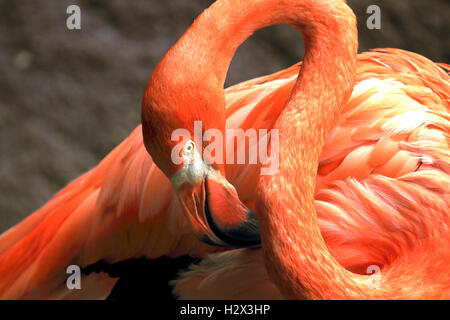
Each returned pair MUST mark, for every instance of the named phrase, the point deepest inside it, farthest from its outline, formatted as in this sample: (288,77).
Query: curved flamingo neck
(291,239)
(295,253)
(205,51)
(187,85)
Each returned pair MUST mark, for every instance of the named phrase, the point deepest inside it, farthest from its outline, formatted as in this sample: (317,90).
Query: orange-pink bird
(363,181)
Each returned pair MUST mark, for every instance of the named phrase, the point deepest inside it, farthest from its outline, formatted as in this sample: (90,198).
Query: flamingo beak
(216,213)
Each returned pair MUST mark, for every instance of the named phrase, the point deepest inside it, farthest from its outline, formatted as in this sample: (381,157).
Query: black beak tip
(243,235)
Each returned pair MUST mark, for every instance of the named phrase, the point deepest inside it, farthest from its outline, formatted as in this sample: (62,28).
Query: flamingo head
(170,109)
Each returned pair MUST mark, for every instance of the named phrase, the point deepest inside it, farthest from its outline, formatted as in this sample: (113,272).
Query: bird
(386,156)
(346,216)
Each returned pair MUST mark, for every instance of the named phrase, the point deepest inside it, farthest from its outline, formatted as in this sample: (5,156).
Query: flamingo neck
(187,85)
(203,54)
(295,253)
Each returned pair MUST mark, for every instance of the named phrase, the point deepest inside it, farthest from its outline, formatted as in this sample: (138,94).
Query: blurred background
(67,98)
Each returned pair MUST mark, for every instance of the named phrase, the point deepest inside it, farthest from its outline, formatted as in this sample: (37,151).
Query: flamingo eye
(189,147)
(189,152)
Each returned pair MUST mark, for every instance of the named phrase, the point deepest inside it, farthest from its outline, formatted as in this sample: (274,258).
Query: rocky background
(68,97)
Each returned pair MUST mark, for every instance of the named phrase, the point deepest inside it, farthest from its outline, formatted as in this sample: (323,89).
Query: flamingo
(378,181)
(343,200)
